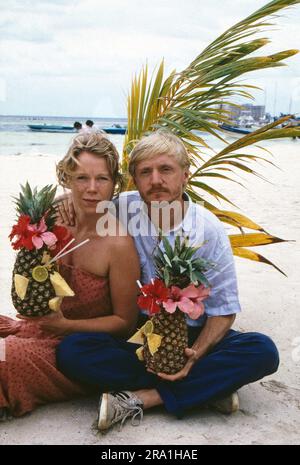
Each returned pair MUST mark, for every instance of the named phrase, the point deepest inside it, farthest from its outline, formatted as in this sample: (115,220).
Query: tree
(195,100)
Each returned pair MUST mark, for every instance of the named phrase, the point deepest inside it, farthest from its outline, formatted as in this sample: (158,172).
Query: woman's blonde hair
(160,142)
(97,144)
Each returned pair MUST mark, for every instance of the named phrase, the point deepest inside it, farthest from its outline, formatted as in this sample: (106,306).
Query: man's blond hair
(160,142)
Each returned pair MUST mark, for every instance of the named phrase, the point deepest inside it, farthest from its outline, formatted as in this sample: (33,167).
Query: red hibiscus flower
(63,237)
(22,233)
(153,295)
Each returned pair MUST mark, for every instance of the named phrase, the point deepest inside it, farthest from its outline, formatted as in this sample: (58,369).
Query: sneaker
(227,405)
(115,407)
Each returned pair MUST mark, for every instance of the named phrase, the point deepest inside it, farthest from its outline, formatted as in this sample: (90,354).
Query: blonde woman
(102,273)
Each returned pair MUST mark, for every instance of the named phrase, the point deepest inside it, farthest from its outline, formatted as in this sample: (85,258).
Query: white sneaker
(115,407)
(227,405)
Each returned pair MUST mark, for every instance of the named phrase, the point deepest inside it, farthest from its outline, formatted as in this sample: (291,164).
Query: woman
(102,273)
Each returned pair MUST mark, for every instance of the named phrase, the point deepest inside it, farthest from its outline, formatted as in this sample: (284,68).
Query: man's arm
(213,332)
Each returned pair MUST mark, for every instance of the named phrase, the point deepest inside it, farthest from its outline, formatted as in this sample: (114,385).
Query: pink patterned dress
(28,375)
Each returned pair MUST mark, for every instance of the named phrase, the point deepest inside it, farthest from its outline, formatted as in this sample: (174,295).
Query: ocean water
(17,139)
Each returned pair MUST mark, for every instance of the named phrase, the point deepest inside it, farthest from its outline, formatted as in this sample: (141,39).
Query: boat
(235,129)
(51,128)
(115,129)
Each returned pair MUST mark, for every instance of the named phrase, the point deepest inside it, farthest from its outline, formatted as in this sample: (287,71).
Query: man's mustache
(157,191)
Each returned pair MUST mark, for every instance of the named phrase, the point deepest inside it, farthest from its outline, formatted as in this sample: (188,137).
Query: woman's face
(91,182)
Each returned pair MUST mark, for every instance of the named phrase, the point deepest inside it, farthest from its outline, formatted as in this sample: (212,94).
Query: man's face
(160,179)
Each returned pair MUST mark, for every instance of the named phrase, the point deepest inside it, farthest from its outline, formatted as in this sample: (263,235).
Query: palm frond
(195,100)
(251,255)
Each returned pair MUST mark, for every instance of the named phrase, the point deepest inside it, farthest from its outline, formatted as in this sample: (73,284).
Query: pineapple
(170,356)
(32,286)
(175,267)
(37,296)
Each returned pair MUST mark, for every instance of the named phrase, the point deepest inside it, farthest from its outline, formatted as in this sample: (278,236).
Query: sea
(17,139)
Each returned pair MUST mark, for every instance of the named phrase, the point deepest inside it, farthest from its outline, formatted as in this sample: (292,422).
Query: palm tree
(196,99)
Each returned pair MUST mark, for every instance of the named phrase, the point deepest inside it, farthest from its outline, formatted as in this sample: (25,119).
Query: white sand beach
(270,409)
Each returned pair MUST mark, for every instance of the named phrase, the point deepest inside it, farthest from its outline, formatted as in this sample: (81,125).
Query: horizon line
(68,116)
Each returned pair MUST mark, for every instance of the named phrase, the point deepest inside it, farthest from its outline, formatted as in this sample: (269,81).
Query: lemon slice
(154,343)
(40,273)
(148,328)
(139,353)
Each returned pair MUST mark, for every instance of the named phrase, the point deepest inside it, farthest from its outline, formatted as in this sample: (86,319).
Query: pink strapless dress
(28,375)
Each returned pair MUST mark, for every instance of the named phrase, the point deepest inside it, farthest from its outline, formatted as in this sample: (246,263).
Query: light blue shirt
(202,227)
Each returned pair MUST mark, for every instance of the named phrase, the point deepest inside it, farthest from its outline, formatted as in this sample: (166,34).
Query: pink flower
(41,235)
(188,300)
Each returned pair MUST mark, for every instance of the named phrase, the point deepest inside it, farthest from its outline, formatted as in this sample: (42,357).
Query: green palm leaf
(194,100)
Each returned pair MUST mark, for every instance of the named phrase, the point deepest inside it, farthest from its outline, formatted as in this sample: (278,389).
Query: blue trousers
(110,364)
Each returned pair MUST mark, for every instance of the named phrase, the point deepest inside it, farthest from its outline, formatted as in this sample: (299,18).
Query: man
(90,127)
(78,126)
(219,360)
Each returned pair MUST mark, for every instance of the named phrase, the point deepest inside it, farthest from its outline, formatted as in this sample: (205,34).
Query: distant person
(89,123)
(90,127)
(77,126)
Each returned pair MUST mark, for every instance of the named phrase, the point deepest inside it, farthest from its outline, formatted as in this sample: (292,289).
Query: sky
(78,57)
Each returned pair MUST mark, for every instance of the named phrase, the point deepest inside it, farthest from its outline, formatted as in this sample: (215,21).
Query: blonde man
(220,360)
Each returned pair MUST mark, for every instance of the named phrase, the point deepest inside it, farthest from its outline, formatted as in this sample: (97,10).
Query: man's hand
(192,358)
(65,211)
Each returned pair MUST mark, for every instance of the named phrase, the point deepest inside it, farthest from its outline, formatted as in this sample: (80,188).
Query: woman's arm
(124,270)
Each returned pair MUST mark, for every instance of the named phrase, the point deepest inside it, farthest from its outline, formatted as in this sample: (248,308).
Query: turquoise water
(17,139)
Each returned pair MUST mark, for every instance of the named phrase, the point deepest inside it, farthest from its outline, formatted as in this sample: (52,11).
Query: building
(256,111)
(246,113)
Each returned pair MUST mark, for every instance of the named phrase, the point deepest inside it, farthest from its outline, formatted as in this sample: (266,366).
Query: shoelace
(126,407)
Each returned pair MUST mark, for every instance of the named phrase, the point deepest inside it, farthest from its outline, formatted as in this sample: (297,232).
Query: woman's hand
(55,323)
(192,358)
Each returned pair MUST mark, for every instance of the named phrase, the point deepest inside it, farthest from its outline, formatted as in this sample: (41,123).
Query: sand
(270,409)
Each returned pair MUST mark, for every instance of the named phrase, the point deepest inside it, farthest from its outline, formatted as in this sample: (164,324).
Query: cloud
(86,50)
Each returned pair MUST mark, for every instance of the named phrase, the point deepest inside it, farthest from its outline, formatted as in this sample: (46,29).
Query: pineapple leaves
(37,204)
(177,266)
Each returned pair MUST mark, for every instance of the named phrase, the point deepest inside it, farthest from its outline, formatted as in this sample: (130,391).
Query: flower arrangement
(178,290)
(35,236)
(189,300)
(37,287)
